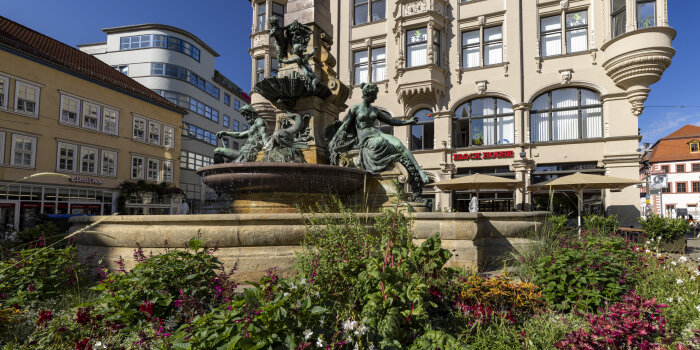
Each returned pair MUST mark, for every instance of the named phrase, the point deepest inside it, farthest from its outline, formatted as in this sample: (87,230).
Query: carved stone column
(523,168)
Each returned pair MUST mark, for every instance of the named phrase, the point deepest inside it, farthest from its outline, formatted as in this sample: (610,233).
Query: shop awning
(478,182)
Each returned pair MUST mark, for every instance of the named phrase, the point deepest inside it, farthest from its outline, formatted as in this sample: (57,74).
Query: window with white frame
(154,133)
(370,60)
(236,125)
(566,114)
(23,151)
(236,104)
(260,23)
(109,121)
(153,169)
(88,160)
(646,14)
(278,11)
(423,132)
(576,33)
(67,154)
(167,171)
(70,110)
(274,67)
(139,129)
(4,91)
(109,163)
(227,99)
(227,121)
(368,11)
(417,47)
(260,68)
(91,116)
(137,167)
(124,69)
(168,137)
(490,52)
(2,147)
(484,121)
(27,98)
(618,17)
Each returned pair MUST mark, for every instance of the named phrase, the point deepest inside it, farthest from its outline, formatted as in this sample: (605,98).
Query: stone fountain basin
(261,177)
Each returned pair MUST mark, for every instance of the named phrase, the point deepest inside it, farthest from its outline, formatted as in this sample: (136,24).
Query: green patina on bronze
(288,140)
(256,139)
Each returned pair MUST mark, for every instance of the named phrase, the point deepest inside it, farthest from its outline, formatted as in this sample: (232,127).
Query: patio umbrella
(478,182)
(580,182)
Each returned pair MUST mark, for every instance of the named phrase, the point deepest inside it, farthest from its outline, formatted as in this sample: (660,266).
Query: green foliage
(583,274)
(666,229)
(160,280)
(126,188)
(37,274)
(558,223)
(601,224)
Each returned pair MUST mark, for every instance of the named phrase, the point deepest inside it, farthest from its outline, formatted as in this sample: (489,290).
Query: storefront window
(566,114)
(422,134)
(484,121)
(566,202)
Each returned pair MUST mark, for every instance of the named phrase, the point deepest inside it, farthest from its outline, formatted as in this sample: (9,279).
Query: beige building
(523,89)
(64,111)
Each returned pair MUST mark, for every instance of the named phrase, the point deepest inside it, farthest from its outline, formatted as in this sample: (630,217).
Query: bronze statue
(288,140)
(256,135)
(302,61)
(377,149)
(278,33)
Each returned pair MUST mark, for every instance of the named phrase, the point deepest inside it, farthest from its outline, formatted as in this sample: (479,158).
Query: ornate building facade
(529,90)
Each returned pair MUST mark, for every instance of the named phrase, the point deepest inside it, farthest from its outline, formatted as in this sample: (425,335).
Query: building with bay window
(181,68)
(72,129)
(529,90)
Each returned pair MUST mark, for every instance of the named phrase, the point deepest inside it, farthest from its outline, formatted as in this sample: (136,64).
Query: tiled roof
(674,147)
(20,38)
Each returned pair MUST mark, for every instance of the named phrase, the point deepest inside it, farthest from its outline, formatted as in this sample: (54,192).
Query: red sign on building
(483,155)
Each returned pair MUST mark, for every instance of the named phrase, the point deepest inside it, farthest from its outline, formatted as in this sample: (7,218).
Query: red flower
(44,318)
(83,344)
(147,307)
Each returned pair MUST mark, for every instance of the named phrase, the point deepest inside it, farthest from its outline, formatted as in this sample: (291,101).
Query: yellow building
(64,111)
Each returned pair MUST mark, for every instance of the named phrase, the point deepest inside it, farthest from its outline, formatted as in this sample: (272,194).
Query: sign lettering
(483,155)
(86,180)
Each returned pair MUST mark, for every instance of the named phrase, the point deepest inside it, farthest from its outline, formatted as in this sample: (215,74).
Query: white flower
(679,281)
(670,300)
(680,299)
(303,280)
(692,278)
(285,294)
(697,272)
(320,343)
(648,242)
(647,251)
(371,345)
(673,263)
(99,345)
(357,346)
(362,330)
(307,334)
(320,322)
(683,259)
(293,286)
(697,308)
(349,325)
(658,255)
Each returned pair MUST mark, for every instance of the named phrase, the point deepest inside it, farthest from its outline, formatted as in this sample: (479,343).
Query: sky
(225,25)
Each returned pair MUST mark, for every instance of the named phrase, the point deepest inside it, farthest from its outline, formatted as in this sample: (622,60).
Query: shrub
(584,273)
(558,224)
(601,224)
(666,229)
(38,274)
(633,323)
(483,298)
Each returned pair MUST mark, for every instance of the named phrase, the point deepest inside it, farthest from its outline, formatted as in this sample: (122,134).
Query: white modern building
(678,156)
(180,67)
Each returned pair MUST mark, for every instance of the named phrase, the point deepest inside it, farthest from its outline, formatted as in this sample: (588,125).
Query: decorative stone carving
(566,76)
(482,20)
(564,4)
(594,56)
(505,69)
(481,86)
(368,42)
(415,8)
(258,40)
(538,64)
(636,100)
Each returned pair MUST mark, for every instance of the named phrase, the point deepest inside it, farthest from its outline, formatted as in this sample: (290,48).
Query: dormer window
(694,146)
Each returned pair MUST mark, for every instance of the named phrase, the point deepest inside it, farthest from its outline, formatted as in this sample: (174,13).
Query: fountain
(310,157)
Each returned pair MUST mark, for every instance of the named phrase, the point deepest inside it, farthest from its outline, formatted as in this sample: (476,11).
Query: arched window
(484,121)
(422,134)
(566,114)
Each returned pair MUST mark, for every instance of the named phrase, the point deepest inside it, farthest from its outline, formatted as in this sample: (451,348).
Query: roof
(674,147)
(19,38)
(147,26)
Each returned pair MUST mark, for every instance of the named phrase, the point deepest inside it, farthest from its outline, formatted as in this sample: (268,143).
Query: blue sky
(225,26)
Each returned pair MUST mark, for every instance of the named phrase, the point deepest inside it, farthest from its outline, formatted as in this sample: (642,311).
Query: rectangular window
(378,64)
(696,168)
(493,46)
(23,150)
(681,187)
(576,31)
(261,17)
(361,61)
(227,121)
(236,104)
(471,43)
(227,99)
(646,14)
(2,147)
(109,121)
(696,187)
(91,116)
(124,69)
(278,11)
(361,11)
(4,91)
(368,11)
(70,109)
(109,163)
(694,147)
(88,160)
(618,9)
(153,170)
(167,171)
(274,67)
(137,168)
(550,36)
(235,125)
(154,133)
(168,137)
(680,168)
(417,47)
(260,69)
(139,129)
(27,98)
(66,157)
(664,169)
